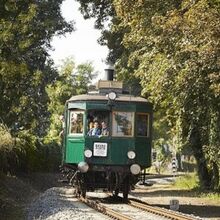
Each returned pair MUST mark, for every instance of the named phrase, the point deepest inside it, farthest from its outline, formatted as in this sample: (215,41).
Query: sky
(82,43)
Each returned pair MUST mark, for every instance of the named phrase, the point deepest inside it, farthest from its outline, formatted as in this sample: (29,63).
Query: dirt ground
(189,202)
(16,193)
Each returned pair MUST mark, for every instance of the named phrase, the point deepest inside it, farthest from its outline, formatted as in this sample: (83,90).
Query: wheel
(126,188)
(77,191)
(115,192)
(83,191)
(125,194)
(82,186)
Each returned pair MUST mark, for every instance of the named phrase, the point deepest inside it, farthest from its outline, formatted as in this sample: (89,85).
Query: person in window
(105,130)
(142,128)
(91,125)
(95,131)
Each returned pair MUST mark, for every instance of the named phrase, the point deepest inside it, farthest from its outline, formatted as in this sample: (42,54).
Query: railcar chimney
(107,84)
(109,73)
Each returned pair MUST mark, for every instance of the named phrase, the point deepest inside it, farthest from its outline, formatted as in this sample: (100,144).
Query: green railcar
(112,160)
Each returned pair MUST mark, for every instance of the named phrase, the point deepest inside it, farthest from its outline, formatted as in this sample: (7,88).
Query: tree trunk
(203,173)
(215,178)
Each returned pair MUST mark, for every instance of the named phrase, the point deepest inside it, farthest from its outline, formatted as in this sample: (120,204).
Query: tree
(112,36)
(176,48)
(172,48)
(27,28)
(72,80)
(83,77)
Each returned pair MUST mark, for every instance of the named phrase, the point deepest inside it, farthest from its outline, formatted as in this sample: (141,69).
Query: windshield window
(76,122)
(142,124)
(123,123)
(98,123)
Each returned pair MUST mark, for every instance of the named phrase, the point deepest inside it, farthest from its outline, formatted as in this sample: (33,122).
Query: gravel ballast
(59,203)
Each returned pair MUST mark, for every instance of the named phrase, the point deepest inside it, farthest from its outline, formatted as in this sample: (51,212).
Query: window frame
(70,125)
(148,124)
(132,124)
(99,112)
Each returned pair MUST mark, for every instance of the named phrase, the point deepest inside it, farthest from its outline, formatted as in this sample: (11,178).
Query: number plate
(100,149)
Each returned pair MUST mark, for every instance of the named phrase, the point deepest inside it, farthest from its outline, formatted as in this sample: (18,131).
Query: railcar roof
(100,97)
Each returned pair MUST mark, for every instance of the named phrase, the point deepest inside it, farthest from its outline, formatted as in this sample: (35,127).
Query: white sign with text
(100,149)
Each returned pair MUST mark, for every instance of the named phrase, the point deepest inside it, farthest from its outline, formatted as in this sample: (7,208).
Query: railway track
(147,209)
(159,211)
(104,209)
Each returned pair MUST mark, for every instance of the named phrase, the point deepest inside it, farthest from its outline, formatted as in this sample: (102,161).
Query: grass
(187,182)
(190,183)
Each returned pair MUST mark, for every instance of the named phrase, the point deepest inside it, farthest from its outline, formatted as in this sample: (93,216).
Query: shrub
(6,146)
(27,153)
(187,182)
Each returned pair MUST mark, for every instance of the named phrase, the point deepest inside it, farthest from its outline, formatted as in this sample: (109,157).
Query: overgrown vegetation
(172,50)
(168,52)
(25,153)
(190,183)
(187,182)
(33,91)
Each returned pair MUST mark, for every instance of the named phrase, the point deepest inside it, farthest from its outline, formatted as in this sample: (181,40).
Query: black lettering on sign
(100,146)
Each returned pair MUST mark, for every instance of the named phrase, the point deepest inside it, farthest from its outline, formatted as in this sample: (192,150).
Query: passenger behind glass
(91,125)
(95,131)
(105,130)
(142,128)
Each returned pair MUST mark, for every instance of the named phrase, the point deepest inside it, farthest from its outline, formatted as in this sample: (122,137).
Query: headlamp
(112,95)
(88,153)
(131,154)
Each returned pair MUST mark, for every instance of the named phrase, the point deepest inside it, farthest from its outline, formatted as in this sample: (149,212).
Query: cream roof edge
(120,97)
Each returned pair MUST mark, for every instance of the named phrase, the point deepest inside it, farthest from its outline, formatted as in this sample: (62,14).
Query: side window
(76,122)
(122,124)
(142,124)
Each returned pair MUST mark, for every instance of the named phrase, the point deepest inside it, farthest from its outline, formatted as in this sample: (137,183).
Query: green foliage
(172,48)
(162,154)
(211,196)
(25,68)
(113,32)
(6,146)
(27,28)
(72,80)
(83,77)
(6,140)
(97,9)
(26,153)
(187,182)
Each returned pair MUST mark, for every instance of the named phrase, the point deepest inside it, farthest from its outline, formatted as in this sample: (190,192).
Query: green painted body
(74,145)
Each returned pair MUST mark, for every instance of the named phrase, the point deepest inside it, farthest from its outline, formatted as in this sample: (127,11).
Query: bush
(6,140)
(187,182)
(27,153)
(40,157)
(6,148)
(45,158)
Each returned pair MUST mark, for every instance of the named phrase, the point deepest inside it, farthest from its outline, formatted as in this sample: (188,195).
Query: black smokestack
(109,73)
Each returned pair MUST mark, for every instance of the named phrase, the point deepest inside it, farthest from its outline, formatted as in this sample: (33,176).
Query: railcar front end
(111,161)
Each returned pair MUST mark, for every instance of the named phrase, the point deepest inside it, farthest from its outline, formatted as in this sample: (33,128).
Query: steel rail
(158,211)
(104,210)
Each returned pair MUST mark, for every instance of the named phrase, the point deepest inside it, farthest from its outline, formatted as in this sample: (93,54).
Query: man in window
(105,130)
(95,131)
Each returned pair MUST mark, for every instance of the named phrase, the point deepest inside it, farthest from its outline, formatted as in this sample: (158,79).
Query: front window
(76,122)
(123,123)
(98,123)
(142,124)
